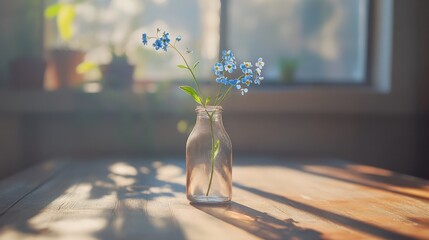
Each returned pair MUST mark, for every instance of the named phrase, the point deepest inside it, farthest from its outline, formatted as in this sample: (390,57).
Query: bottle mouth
(209,109)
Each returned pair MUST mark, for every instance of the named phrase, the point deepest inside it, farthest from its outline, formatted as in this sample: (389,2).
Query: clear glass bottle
(209,158)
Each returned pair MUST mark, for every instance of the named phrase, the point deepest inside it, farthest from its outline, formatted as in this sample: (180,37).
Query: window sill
(268,100)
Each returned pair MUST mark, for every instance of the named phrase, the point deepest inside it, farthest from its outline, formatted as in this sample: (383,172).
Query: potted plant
(288,69)
(119,73)
(116,71)
(64,59)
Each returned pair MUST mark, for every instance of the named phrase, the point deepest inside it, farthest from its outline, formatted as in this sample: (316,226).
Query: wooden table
(272,199)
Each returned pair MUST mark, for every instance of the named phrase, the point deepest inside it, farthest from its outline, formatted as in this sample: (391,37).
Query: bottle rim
(200,108)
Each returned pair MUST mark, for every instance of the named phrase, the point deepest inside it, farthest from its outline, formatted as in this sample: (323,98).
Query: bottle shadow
(257,223)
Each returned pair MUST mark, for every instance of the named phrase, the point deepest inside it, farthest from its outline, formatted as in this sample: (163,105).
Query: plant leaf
(52,11)
(182,66)
(65,19)
(216,149)
(191,91)
(207,100)
(195,65)
(85,67)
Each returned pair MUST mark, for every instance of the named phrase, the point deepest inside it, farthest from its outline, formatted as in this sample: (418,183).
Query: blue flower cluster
(160,42)
(251,73)
(228,65)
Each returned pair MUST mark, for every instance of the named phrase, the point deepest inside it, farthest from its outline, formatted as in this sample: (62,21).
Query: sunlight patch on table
(122,168)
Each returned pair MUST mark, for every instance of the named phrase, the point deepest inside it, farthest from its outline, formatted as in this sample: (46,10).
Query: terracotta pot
(64,63)
(27,72)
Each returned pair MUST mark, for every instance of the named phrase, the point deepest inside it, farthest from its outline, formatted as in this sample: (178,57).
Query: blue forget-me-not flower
(230,66)
(248,73)
(144,39)
(246,65)
(258,80)
(260,64)
(218,69)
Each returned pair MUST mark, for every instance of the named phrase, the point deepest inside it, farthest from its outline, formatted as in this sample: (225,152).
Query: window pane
(302,40)
(103,27)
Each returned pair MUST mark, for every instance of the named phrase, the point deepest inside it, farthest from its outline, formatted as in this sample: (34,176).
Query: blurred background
(345,79)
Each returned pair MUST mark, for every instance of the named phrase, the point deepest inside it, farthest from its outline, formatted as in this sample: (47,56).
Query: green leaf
(216,149)
(85,67)
(191,91)
(52,11)
(195,65)
(65,19)
(208,100)
(182,66)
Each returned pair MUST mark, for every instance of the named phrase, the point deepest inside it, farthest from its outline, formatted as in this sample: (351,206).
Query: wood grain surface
(272,199)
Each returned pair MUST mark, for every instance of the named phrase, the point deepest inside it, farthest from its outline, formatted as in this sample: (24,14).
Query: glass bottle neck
(213,112)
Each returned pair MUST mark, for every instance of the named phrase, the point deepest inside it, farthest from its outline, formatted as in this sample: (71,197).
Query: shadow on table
(330,216)
(366,176)
(142,190)
(258,223)
(93,200)
(371,177)
(110,201)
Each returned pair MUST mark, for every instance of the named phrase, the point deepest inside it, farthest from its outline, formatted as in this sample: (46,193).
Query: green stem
(190,70)
(225,95)
(212,157)
(218,95)
(212,152)
(212,133)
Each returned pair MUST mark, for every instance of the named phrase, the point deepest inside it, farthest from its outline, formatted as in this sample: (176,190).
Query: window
(302,41)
